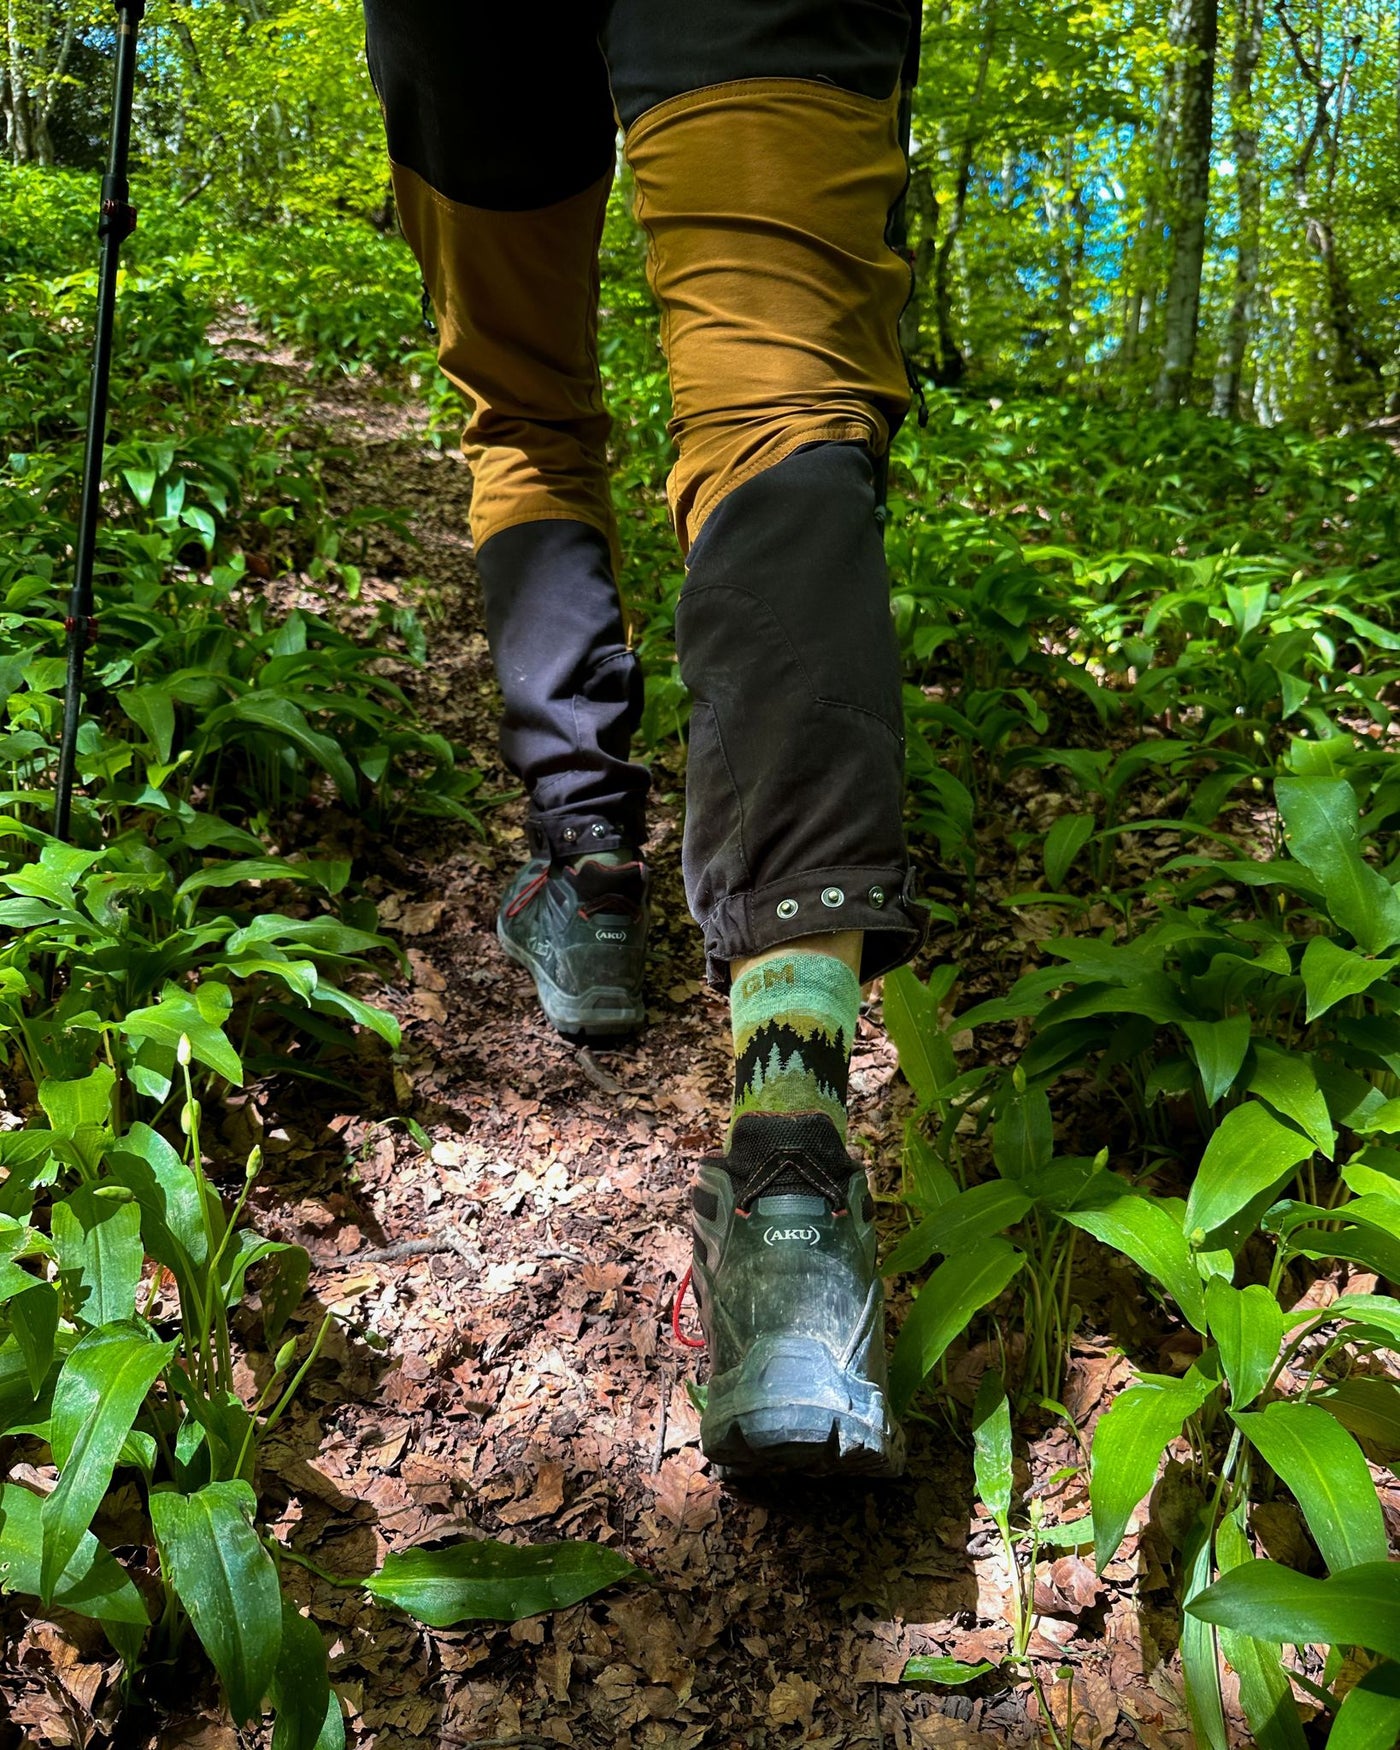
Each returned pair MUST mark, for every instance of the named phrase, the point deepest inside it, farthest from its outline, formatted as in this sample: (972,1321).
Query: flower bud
(183,1052)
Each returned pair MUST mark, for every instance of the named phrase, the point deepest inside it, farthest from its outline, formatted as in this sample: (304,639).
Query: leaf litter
(505,1367)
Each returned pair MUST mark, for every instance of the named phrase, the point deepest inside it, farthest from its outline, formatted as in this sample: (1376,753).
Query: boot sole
(793,1410)
(604,1012)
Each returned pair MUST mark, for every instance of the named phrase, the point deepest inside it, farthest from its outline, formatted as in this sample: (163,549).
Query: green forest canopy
(1195,203)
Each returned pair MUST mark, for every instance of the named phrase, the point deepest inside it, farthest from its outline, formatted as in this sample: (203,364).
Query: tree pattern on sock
(794,1022)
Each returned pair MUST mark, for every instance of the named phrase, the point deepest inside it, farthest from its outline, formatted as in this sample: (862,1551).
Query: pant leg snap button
(787,908)
(833,896)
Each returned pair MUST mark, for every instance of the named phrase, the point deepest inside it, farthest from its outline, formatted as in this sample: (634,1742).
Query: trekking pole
(116,223)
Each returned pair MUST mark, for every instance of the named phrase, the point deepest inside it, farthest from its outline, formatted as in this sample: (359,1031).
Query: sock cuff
(804,987)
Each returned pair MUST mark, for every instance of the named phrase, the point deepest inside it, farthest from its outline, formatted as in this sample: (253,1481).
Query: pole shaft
(115,224)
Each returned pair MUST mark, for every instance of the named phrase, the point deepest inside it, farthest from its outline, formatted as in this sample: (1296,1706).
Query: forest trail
(512,1372)
(1145,558)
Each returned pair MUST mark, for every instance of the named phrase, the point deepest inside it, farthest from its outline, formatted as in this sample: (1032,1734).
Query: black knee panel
(495,106)
(658,51)
(796,762)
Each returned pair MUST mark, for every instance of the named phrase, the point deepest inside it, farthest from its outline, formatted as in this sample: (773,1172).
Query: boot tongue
(788,1206)
(604,887)
(790,1156)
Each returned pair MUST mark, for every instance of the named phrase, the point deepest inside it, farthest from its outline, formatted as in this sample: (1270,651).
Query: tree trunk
(1140,303)
(1244,131)
(951,363)
(1065,221)
(21,141)
(1200,24)
(46,97)
(1358,379)
(1132,294)
(921,211)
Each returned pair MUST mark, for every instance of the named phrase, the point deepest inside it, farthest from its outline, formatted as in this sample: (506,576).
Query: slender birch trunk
(1357,376)
(21,142)
(1244,135)
(1188,245)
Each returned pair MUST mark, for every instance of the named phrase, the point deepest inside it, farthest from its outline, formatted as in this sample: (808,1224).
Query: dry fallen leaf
(425,975)
(792,1700)
(597,1277)
(429,1006)
(684,1495)
(419,918)
(546,1497)
(1066,1587)
(199,1735)
(939,1732)
(1089,1698)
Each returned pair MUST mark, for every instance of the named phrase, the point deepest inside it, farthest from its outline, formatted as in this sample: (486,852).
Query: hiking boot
(580,930)
(791,1305)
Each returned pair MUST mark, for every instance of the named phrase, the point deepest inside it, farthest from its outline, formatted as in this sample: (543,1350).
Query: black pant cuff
(879,901)
(569,832)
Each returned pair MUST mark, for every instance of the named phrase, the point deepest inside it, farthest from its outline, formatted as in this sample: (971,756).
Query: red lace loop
(676,1304)
(525,895)
(610,905)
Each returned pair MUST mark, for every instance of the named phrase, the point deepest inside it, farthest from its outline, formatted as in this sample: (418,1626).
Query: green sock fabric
(608,859)
(794,1021)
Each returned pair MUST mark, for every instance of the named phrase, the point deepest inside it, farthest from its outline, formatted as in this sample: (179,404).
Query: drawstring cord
(676,1304)
(525,895)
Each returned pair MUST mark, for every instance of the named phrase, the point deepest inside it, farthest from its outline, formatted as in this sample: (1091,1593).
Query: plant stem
(280,1409)
(302,1561)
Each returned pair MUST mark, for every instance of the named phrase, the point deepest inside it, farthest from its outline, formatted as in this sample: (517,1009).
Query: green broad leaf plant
(1274,1018)
(184,944)
(120,1268)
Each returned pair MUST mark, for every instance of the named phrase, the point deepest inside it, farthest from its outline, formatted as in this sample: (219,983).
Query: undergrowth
(185,943)
(1150,668)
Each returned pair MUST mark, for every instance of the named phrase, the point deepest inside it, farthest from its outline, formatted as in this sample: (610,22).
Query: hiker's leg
(763,138)
(502,138)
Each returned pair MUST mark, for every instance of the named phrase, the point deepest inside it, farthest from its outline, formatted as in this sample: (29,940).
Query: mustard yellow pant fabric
(764,205)
(516,300)
(763,202)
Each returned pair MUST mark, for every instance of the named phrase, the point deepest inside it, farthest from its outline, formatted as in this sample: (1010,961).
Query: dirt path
(505,1364)
(521,1379)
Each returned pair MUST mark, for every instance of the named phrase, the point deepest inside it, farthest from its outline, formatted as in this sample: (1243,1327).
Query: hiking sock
(794,1020)
(605,859)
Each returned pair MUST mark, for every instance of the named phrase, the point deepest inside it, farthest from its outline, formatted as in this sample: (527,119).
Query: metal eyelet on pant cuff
(876,896)
(832,897)
(598,830)
(786,908)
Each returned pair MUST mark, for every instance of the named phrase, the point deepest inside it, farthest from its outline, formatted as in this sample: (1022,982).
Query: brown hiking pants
(762,140)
